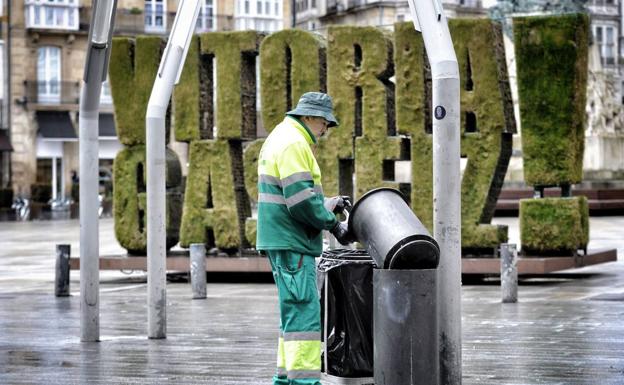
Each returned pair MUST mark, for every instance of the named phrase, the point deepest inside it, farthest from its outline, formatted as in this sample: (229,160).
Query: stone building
(47,42)
(318,14)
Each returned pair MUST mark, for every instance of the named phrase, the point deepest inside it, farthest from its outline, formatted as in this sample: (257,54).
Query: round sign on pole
(439,112)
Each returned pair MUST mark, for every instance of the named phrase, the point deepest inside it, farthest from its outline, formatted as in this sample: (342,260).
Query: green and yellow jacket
(291,215)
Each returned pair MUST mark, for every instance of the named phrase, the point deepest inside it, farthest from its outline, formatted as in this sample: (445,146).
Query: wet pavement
(565,329)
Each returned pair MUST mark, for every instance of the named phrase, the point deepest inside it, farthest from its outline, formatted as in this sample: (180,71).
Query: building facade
(42,76)
(316,15)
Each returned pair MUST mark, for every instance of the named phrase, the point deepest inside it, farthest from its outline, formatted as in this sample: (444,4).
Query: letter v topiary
(209,215)
(133,67)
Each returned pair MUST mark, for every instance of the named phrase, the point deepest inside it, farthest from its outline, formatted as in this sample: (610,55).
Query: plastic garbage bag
(346,284)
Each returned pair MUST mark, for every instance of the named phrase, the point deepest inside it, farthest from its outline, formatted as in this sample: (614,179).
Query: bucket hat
(315,104)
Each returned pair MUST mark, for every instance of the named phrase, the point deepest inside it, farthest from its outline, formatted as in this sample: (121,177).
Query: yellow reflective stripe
(303,355)
(281,358)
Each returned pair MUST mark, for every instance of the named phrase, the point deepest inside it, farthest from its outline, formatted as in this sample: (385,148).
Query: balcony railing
(137,22)
(61,15)
(51,92)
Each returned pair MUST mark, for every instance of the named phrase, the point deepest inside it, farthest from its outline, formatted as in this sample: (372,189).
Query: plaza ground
(565,329)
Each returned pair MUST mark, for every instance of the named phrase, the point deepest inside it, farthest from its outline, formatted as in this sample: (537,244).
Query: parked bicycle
(22,209)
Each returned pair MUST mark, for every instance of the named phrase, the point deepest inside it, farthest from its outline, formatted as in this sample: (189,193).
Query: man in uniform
(292,212)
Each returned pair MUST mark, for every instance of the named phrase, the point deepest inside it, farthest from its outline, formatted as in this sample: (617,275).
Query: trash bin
(392,233)
(346,283)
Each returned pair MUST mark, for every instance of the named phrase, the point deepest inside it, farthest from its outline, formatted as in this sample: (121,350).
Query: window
(605,38)
(206,20)
(609,48)
(1,77)
(267,7)
(155,16)
(49,74)
(105,96)
(52,14)
(247,6)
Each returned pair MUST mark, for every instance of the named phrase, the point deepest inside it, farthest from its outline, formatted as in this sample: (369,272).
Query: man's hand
(342,234)
(337,204)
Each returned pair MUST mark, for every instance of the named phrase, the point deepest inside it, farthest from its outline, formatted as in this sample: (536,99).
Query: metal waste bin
(346,283)
(392,233)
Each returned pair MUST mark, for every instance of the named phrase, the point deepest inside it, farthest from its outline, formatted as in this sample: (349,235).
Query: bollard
(198,270)
(405,327)
(509,272)
(61,280)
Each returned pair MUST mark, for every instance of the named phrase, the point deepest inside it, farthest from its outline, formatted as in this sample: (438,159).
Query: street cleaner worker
(292,212)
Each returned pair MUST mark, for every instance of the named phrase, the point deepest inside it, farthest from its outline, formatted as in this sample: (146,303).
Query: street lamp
(96,68)
(446,180)
(102,23)
(169,73)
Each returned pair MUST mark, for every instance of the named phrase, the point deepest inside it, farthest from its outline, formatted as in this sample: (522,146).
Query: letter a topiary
(292,62)
(133,67)
(209,214)
(551,56)
(487,124)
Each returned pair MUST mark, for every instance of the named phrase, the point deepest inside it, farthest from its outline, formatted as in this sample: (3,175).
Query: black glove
(342,234)
(338,203)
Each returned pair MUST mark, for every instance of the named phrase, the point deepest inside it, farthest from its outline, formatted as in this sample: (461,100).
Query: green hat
(315,104)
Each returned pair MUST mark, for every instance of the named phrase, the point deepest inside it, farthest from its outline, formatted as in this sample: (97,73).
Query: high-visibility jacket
(291,214)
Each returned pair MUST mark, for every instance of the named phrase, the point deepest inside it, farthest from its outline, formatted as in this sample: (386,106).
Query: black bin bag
(346,284)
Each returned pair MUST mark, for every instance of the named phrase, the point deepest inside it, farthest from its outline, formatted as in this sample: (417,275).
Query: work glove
(342,234)
(337,204)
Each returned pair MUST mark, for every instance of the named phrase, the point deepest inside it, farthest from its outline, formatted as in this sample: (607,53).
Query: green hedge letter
(209,214)
(130,199)
(133,67)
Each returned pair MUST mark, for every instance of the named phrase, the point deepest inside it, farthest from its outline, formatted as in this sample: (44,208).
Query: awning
(55,125)
(107,126)
(5,143)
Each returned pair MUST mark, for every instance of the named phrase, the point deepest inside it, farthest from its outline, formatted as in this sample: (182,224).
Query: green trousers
(299,348)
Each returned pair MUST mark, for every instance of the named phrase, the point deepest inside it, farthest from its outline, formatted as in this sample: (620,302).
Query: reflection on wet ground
(565,329)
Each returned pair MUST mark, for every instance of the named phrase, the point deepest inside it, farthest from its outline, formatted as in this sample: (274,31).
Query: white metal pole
(169,72)
(96,68)
(89,229)
(446,180)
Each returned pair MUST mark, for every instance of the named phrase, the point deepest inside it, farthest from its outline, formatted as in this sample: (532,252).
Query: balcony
(52,94)
(61,15)
(138,22)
